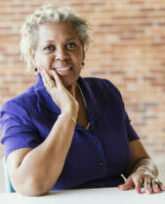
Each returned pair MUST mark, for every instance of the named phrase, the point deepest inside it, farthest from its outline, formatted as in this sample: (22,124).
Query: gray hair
(50,14)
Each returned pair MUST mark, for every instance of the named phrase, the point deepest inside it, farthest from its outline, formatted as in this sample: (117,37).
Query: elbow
(32,187)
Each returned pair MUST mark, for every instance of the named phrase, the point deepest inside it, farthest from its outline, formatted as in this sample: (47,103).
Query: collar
(88,90)
(46,101)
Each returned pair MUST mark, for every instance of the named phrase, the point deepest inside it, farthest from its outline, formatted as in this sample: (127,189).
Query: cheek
(39,60)
(43,60)
(78,59)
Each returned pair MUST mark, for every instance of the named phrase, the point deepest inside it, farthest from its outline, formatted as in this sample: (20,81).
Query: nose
(61,54)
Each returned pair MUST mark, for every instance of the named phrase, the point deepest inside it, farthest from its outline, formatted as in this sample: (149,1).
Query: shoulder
(21,104)
(101,84)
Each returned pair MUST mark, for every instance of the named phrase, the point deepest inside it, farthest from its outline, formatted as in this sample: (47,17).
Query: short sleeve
(131,133)
(17,128)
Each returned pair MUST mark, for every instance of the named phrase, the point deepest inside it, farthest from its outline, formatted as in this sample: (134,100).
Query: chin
(68,83)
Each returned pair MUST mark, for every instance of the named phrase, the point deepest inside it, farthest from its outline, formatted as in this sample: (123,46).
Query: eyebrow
(72,38)
(68,39)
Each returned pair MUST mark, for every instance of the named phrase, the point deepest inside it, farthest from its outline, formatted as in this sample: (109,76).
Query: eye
(49,48)
(71,45)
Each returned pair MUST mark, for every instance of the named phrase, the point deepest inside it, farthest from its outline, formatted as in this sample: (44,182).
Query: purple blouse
(96,158)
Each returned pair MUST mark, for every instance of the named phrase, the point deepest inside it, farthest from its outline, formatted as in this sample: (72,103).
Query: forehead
(56,31)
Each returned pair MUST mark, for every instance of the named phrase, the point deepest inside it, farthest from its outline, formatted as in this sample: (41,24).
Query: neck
(79,96)
(77,93)
(72,89)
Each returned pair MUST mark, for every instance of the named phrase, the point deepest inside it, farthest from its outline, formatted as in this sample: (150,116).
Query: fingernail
(149,191)
(40,69)
(119,186)
(157,190)
(139,191)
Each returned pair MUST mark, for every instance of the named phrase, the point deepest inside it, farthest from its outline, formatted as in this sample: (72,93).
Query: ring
(156,181)
(148,173)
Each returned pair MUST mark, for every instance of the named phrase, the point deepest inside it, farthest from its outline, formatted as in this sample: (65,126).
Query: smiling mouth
(63,71)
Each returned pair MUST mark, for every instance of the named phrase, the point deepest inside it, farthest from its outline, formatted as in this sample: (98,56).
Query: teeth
(63,69)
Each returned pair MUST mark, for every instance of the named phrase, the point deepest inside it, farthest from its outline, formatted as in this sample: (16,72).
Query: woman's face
(59,48)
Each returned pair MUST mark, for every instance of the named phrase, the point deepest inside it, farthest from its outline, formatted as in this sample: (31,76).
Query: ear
(32,54)
(83,53)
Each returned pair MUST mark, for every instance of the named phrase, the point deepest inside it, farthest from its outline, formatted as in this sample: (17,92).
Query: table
(86,196)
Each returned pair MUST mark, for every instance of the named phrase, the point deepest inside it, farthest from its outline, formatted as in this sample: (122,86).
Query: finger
(57,78)
(49,83)
(138,182)
(156,185)
(43,74)
(46,75)
(163,188)
(43,77)
(127,185)
(72,91)
(148,184)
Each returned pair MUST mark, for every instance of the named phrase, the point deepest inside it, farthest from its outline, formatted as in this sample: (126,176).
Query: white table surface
(85,196)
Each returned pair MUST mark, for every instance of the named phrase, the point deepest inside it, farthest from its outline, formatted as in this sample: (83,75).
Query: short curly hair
(50,14)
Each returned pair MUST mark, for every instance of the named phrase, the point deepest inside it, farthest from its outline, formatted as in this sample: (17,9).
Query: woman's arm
(140,158)
(142,171)
(35,171)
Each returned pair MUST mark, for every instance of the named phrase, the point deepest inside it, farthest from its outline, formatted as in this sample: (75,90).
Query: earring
(82,63)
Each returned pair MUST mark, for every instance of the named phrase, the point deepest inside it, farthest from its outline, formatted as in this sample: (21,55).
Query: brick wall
(128,49)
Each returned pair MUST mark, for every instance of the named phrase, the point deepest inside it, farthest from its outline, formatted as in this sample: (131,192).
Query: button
(101,163)
(94,142)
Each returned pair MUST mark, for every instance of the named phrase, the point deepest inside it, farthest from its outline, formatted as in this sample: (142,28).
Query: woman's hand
(142,177)
(64,99)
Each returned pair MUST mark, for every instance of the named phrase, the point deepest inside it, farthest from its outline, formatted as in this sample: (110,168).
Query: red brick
(128,49)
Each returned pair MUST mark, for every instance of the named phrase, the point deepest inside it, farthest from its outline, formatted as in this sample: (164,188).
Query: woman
(60,134)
